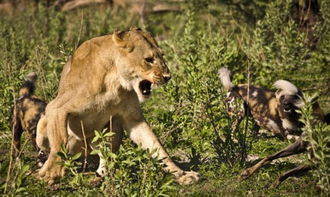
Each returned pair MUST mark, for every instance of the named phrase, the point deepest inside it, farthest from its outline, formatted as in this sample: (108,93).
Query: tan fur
(102,82)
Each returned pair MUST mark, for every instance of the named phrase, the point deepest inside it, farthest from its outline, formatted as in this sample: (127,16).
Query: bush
(132,171)
(279,48)
(318,134)
(192,113)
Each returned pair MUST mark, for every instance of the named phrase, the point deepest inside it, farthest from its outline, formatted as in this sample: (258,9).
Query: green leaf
(95,152)
(76,156)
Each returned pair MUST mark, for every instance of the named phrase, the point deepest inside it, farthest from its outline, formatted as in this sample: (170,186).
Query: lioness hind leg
(41,136)
(42,141)
(57,136)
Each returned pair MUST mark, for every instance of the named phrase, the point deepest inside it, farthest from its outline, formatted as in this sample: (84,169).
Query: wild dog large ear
(300,101)
(278,94)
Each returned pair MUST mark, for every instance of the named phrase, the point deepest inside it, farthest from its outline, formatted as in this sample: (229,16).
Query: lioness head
(140,62)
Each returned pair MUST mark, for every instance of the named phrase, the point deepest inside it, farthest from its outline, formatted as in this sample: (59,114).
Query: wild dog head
(289,99)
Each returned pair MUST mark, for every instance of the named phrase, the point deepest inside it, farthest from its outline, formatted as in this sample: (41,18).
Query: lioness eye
(149,59)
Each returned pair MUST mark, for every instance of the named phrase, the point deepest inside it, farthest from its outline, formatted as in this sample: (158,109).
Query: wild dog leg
(17,131)
(231,110)
(140,132)
(255,128)
(238,120)
(296,148)
(57,135)
(298,170)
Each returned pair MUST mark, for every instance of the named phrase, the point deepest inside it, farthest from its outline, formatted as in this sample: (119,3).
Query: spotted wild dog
(26,112)
(273,111)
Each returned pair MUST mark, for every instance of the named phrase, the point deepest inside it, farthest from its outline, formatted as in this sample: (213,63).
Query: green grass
(188,113)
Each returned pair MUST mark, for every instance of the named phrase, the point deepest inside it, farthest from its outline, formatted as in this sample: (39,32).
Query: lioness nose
(167,77)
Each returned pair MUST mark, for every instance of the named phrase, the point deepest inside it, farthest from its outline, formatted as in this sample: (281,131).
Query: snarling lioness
(106,79)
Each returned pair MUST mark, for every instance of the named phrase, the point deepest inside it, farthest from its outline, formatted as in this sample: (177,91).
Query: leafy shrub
(318,134)
(279,49)
(193,117)
(131,171)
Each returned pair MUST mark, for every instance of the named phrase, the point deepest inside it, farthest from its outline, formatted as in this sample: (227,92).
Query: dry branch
(80,3)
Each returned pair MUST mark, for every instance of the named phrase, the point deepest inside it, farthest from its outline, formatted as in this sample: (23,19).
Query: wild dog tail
(224,75)
(28,86)
(286,87)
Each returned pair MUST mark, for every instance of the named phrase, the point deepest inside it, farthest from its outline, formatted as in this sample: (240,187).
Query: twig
(80,3)
(10,162)
(110,127)
(111,173)
(80,30)
(246,118)
(85,143)
(11,153)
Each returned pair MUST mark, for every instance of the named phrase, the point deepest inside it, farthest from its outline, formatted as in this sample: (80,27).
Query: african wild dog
(26,113)
(273,111)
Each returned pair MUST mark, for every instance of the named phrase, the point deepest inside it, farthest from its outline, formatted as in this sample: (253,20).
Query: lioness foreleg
(57,135)
(141,133)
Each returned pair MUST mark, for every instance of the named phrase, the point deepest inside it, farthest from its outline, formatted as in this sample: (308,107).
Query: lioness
(106,79)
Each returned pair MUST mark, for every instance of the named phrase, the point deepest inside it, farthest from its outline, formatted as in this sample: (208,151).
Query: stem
(85,144)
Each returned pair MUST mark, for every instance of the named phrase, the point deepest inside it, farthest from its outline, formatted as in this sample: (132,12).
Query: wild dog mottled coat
(26,113)
(274,111)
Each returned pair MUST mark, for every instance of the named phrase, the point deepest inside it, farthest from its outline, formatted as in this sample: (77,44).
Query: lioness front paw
(188,177)
(50,172)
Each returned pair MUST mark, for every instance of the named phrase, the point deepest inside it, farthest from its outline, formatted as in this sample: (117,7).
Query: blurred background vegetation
(260,41)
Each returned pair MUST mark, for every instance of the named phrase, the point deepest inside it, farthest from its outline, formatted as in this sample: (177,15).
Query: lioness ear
(117,38)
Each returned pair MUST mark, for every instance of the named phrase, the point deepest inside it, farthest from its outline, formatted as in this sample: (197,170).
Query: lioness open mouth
(145,87)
